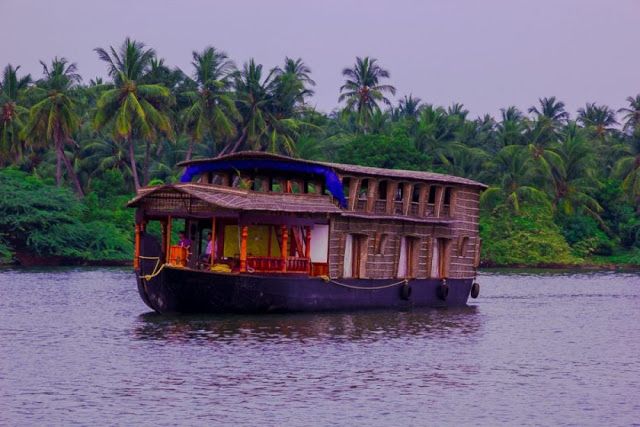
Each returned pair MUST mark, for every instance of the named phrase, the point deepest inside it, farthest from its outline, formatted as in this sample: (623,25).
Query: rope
(156,270)
(327,279)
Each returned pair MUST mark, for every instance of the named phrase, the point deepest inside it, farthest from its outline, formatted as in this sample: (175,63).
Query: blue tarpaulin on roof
(332,182)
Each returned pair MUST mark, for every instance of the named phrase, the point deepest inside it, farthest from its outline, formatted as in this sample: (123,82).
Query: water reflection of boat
(294,235)
(368,326)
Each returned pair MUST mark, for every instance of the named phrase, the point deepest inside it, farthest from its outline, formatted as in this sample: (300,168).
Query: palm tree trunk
(147,160)
(71,172)
(132,163)
(187,157)
(237,144)
(58,167)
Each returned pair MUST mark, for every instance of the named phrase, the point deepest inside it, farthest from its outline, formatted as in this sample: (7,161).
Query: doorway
(407,261)
(355,253)
(440,258)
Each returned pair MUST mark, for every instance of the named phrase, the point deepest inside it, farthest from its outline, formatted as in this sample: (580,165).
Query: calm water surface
(77,346)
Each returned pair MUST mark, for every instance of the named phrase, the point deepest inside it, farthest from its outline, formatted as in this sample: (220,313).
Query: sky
(486,54)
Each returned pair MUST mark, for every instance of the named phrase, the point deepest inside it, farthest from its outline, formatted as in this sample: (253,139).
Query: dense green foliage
(563,189)
(41,219)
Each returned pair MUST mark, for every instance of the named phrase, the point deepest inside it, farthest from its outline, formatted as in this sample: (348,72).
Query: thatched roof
(346,169)
(234,199)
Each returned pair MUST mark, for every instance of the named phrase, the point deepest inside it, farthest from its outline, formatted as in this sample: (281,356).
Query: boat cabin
(274,215)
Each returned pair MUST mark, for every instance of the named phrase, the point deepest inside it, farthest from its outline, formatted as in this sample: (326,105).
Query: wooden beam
(307,247)
(168,246)
(372,194)
(284,250)
(354,186)
(422,199)
(407,198)
(213,241)
(392,188)
(307,242)
(136,254)
(243,248)
(439,198)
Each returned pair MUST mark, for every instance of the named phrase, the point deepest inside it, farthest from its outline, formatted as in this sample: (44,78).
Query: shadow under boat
(371,325)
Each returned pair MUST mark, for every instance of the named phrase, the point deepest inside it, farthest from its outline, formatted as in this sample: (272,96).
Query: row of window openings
(280,185)
(265,184)
(363,193)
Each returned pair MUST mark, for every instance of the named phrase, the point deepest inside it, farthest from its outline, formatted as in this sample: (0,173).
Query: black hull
(177,290)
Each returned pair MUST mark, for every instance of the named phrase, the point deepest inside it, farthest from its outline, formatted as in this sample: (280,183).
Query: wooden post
(437,210)
(213,242)
(285,247)
(136,255)
(307,247)
(372,194)
(354,187)
(243,248)
(392,188)
(168,245)
(422,200)
(407,198)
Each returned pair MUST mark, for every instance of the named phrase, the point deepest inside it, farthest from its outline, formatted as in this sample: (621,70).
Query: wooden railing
(430,210)
(413,210)
(361,205)
(398,207)
(299,265)
(380,207)
(265,264)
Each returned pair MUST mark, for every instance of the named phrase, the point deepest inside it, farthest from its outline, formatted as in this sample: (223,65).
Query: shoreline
(484,265)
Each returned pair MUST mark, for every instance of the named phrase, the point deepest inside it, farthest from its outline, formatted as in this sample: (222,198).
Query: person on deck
(183,241)
(206,257)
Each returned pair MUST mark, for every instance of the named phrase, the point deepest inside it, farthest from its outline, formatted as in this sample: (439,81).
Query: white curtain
(402,260)
(348,256)
(435,258)
(319,243)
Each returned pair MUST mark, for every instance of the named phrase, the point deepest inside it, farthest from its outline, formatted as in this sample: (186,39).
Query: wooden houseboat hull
(178,290)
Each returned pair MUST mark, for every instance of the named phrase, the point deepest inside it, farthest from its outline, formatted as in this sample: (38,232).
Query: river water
(77,346)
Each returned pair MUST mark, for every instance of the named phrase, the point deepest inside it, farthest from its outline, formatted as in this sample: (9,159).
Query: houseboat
(262,232)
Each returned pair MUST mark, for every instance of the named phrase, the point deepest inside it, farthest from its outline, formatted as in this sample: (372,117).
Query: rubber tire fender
(475,290)
(443,291)
(405,291)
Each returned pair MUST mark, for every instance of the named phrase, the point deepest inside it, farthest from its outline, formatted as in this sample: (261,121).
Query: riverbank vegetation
(564,188)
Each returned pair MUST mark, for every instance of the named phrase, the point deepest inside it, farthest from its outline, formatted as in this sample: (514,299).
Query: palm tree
(511,170)
(631,114)
(600,118)
(53,118)
(295,77)
(134,110)
(549,119)
(628,169)
(574,182)
(11,112)
(408,107)
(432,132)
(510,130)
(552,110)
(264,125)
(363,91)
(212,110)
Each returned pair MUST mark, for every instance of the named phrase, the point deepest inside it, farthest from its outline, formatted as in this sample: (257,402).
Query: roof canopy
(192,198)
(278,162)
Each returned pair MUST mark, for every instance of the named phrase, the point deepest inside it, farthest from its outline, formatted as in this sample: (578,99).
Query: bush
(48,221)
(530,238)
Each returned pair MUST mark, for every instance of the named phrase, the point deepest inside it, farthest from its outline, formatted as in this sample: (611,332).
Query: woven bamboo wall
(383,264)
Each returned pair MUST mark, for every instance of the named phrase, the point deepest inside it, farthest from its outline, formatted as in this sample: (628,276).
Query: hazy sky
(486,54)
